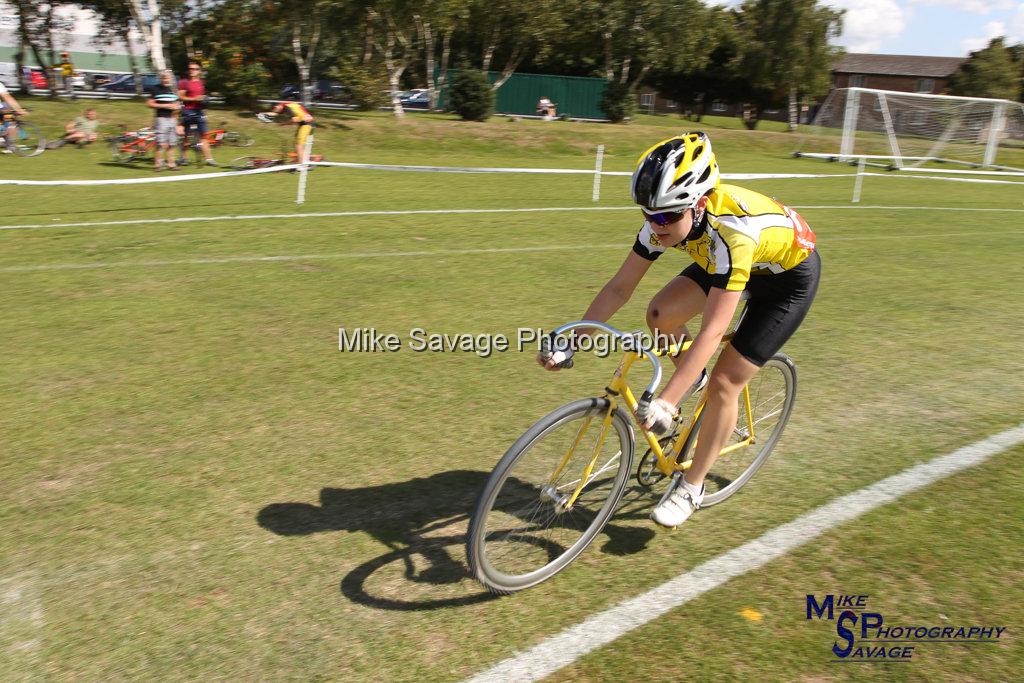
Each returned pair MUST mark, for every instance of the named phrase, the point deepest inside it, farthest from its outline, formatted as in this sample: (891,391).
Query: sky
(942,28)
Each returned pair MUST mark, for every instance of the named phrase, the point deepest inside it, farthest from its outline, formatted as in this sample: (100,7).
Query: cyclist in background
(740,240)
(8,127)
(302,119)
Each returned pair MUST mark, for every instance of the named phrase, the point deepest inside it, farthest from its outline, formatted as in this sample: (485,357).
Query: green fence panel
(83,61)
(573,95)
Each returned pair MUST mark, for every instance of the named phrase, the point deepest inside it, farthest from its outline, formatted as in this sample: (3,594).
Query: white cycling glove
(658,416)
(560,350)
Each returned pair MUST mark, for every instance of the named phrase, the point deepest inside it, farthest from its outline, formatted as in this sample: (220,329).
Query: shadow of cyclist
(407,517)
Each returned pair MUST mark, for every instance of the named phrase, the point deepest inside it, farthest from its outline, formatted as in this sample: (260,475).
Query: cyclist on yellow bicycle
(302,119)
(740,240)
(8,105)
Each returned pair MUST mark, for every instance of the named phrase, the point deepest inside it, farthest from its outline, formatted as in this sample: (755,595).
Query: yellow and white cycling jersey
(743,233)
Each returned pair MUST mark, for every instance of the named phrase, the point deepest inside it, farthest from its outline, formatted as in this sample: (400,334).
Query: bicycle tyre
(118,153)
(28,141)
(236,139)
(477,541)
(244,163)
(783,365)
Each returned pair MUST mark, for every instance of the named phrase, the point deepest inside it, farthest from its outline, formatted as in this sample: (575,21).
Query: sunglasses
(663,217)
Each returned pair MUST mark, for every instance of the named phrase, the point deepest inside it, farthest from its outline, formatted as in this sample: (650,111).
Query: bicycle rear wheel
(772,393)
(236,139)
(523,532)
(27,140)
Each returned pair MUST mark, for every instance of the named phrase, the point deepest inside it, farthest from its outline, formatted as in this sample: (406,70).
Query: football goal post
(906,130)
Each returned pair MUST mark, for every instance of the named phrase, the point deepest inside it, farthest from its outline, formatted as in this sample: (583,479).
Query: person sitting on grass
(82,131)
(164,99)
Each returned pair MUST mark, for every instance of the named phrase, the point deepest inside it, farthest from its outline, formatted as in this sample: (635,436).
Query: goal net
(906,130)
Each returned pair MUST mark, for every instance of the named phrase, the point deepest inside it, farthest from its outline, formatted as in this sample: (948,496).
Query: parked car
(126,83)
(415,99)
(96,79)
(37,78)
(323,91)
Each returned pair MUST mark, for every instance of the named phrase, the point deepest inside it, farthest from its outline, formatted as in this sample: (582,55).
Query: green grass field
(197,484)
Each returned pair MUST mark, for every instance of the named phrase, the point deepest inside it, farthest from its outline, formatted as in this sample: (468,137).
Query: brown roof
(897,65)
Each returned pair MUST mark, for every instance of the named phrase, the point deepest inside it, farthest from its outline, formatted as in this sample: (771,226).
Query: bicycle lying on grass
(562,480)
(21,137)
(132,145)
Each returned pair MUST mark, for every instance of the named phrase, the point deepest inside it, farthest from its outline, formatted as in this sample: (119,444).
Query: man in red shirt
(193,98)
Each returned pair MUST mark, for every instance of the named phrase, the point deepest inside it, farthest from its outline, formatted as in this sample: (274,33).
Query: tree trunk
(514,60)
(394,72)
(442,77)
(793,108)
(152,32)
(133,64)
(368,43)
(489,47)
(609,66)
(427,34)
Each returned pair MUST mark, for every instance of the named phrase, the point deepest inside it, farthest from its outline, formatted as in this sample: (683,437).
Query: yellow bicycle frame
(667,458)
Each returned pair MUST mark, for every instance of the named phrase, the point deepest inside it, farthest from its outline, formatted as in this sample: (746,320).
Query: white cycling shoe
(676,507)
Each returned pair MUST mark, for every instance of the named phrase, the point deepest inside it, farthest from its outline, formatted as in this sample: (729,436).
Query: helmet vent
(704,176)
(697,152)
(683,180)
(682,195)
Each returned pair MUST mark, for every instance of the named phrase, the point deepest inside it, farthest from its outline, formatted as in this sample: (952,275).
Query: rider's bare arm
(718,312)
(612,296)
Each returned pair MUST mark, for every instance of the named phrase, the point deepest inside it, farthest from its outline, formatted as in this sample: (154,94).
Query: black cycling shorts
(778,303)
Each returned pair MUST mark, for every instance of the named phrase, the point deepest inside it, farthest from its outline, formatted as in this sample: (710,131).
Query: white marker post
(596,195)
(859,182)
(304,169)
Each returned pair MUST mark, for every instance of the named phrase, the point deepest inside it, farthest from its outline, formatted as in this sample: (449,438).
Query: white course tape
(473,169)
(555,171)
(161,179)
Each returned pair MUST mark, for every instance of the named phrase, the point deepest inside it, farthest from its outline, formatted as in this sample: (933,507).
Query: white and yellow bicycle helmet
(674,174)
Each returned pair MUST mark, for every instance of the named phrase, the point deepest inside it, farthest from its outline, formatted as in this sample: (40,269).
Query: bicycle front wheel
(27,140)
(120,152)
(524,529)
(772,393)
(245,163)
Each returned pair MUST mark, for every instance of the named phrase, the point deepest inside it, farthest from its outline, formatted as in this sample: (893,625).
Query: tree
(786,51)
(35,30)
(514,30)
(115,24)
(717,78)
(989,72)
(436,22)
(150,24)
(392,31)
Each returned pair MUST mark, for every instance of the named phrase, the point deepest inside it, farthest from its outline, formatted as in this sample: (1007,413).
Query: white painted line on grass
(326,214)
(419,212)
(300,257)
(285,258)
(562,649)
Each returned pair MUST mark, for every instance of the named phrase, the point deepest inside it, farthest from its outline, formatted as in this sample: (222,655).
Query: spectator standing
(165,100)
(67,73)
(192,92)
